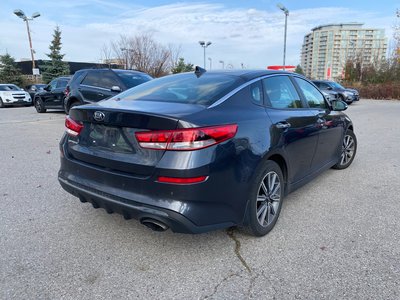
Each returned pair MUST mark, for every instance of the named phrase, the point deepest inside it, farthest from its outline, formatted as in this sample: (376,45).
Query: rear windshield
(131,79)
(184,88)
(9,87)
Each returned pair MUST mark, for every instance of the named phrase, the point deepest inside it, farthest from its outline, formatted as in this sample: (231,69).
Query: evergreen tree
(9,72)
(299,70)
(55,67)
(181,67)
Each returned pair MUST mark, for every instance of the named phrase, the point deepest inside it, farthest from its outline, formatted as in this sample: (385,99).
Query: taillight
(186,139)
(73,127)
(66,91)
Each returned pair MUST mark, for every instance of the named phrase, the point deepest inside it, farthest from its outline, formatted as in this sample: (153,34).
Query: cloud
(249,36)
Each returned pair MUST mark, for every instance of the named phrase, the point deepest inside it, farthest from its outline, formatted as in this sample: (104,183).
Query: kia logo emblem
(99,116)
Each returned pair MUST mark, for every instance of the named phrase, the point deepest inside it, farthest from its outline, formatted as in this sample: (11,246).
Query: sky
(242,32)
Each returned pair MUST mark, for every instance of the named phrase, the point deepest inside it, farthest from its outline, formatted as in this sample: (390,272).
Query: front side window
(53,85)
(62,83)
(107,80)
(131,79)
(281,93)
(313,97)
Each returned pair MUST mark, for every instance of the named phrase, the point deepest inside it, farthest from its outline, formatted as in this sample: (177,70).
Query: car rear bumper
(131,209)
(218,202)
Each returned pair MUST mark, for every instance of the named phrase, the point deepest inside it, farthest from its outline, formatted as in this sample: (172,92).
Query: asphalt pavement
(338,237)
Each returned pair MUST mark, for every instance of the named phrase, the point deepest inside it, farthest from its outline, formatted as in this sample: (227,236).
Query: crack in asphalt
(232,235)
(226,278)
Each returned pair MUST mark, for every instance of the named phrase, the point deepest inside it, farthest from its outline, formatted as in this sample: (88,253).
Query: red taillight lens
(186,139)
(66,91)
(180,180)
(73,127)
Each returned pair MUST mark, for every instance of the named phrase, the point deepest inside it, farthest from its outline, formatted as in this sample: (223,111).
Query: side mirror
(116,89)
(329,88)
(339,105)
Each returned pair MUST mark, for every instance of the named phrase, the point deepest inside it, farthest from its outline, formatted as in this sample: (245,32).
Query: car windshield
(132,79)
(184,88)
(337,85)
(9,87)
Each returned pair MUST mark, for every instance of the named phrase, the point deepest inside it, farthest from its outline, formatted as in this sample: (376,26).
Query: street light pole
(19,13)
(286,12)
(223,64)
(204,45)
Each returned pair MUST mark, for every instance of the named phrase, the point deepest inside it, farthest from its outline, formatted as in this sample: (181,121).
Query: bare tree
(143,53)
(106,56)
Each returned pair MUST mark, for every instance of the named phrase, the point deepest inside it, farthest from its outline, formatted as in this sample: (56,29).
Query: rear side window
(281,93)
(184,88)
(256,93)
(313,97)
(103,79)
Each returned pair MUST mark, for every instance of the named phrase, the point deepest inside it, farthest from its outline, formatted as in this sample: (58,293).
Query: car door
(58,93)
(293,128)
(329,124)
(48,96)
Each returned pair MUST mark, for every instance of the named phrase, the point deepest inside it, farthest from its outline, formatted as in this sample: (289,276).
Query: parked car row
(86,86)
(344,94)
(92,85)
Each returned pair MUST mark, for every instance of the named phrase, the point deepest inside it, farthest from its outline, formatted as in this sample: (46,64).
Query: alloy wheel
(348,148)
(268,199)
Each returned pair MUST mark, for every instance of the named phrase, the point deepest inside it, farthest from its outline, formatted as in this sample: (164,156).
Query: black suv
(93,85)
(347,95)
(52,95)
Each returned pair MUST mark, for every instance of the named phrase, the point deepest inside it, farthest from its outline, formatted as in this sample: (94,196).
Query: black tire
(73,104)
(266,198)
(39,105)
(349,149)
(1,103)
(341,97)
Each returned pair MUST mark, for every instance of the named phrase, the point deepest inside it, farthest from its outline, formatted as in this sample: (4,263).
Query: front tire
(39,105)
(349,149)
(266,198)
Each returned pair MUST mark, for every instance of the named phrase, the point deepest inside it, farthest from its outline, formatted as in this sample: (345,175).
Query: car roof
(248,74)
(107,69)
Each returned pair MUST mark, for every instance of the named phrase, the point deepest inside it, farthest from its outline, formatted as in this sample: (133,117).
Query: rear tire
(73,104)
(349,149)
(39,105)
(266,198)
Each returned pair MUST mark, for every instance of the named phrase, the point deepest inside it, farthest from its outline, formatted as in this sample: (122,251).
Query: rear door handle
(282,125)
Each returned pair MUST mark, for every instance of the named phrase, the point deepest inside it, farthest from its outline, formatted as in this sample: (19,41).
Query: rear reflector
(73,127)
(186,139)
(179,180)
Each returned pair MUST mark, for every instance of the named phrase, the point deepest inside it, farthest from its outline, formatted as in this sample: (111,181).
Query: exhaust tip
(154,225)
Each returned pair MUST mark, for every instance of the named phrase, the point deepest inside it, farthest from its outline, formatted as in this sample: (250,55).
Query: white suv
(10,94)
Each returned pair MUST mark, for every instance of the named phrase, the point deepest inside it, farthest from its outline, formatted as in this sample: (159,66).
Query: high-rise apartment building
(327,48)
